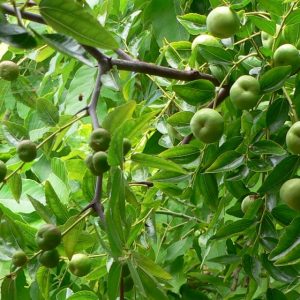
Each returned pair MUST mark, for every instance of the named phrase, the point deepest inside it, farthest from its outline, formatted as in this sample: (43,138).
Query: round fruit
(9,70)
(222,22)
(89,163)
(126,146)
(246,203)
(50,258)
(293,138)
(245,92)
(100,139)
(48,237)
(206,40)
(80,264)
(207,125)
(287,55)
(100,162)
(3,170)
(19,258)
(27,151)
(290,193)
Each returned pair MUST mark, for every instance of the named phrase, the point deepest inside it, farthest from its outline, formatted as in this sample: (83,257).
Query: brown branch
(128,64)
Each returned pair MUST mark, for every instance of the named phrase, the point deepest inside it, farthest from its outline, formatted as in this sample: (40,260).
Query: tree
(97,143)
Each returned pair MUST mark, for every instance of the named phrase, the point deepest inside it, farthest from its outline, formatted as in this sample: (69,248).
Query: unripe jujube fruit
(222,22)
(9,70)
(207,125)
(287,55)
(293,138)
(27,151)
(290,193)
(80,264)
(50,258)
(48,237)
(100,162)
(90,165)
(19,258)
(245,92)
(99,139)
(247,201)
(3,170)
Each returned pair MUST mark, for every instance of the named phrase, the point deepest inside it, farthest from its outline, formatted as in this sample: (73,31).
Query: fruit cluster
(207,124)
(99,142)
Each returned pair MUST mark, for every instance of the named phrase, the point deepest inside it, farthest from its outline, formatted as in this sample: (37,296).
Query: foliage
(165,219)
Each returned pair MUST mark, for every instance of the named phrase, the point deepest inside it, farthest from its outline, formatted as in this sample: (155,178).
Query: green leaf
(151,267)
(68,46)
(217,55)
(180,119)
(16,130)
(274,294)
(42,211)
(71,239)
(232,228)
(181,154)
(23,92)
(283,214)
(43,280)
(226,259)
(293,18)
(281,173)
(54,203)
(113,281)
(193,23)
(264,24)
(195,92)
(15,185)
(274,79)
(166,28)
(178,248)
(83,295)
(16,36)
(206,187)
(47,111)
(118,116)
(283,274)
(70,18)
(277,114)
(267,147)
(287,251)
(227,161)
(156,162)
(252,267)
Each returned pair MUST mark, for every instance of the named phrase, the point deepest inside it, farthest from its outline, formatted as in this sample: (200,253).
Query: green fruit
(27,150)
(290,193)
(126,146)
(245,92)
(80,264)
(247,201)
(125,270)
(19,258)
(128,284)
(206,40)
(48,237)
(50,258)
(3,170)
(100,162)
(293,138)
(89,163)
(207,125)
(287,55)
(100,139)
(222,22)
(9,70)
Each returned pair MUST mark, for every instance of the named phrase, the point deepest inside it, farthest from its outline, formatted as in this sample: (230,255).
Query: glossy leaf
(47,112)
(68,17)
(113,281)
(195,92)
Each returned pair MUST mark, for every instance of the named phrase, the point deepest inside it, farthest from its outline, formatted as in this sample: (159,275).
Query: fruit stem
(294,115)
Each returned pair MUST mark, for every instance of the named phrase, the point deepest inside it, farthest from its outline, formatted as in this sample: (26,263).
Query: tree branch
(127,63)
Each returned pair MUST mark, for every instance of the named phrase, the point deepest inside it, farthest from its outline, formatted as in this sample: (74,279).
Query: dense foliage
(149,149)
